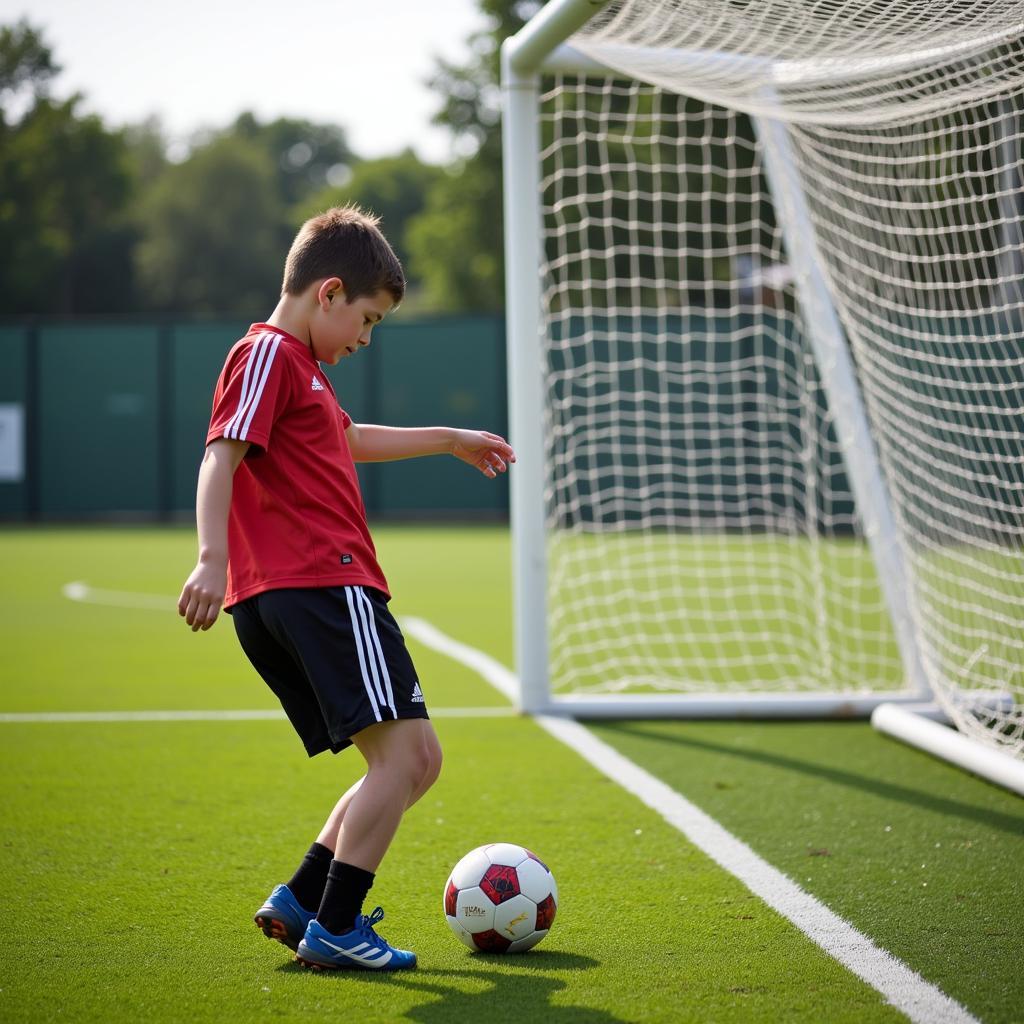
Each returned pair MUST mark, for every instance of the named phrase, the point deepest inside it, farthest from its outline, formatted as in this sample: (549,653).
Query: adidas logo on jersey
(417,694)
(317,386)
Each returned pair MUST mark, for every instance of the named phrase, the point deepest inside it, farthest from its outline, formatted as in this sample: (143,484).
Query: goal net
(723,514)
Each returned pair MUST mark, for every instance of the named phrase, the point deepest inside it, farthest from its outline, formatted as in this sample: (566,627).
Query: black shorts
(335,658)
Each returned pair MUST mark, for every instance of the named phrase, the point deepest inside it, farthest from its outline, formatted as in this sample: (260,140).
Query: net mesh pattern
(702,531)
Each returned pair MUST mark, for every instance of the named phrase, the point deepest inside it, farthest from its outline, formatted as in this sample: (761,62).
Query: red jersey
(297,517)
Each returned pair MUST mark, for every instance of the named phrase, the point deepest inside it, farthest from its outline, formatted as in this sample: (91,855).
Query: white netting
(702,532)
(829,61)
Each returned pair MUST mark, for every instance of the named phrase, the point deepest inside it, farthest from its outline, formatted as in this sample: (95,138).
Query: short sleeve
(346,420)
(252,390)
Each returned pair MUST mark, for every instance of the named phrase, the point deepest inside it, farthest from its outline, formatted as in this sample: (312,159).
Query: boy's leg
(328,836)
(403,759)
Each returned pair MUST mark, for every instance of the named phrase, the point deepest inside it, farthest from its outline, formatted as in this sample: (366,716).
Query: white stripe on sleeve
(259,390)
(254,380)
(252,363)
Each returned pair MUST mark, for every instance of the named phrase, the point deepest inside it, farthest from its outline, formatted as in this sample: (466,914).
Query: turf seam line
(903,988)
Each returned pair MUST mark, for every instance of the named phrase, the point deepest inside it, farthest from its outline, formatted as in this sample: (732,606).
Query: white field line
(906,990)
(255,715)
(82,592)
(492,671)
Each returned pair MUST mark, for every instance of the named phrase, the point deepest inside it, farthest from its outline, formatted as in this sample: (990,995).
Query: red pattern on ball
(545,912)
(450,897)
(500,883)
(490,942)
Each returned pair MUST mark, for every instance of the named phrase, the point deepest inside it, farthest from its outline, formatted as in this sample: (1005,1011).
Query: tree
(216,226)
(64,188)
(393,187)
(305,156)
(26,63)
(457,243)
(213,228)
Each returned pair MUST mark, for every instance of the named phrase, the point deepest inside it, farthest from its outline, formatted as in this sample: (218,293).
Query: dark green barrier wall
(115,415)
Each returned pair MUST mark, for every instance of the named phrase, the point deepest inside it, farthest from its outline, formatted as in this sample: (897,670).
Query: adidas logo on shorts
(317,386)
(417,694)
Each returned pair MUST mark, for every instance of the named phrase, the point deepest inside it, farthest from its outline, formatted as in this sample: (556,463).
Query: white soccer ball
(500,898)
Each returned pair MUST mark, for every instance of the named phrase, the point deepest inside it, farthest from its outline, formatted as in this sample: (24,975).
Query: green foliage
(64,188)
(305,156)
(214,239)
(217,225)
(458,244)
(393,187)
(26,63)
(97,220)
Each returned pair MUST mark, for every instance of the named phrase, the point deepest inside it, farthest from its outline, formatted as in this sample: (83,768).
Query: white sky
(199,63)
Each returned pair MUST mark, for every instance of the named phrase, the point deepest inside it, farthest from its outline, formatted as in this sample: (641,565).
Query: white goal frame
(909,715)
(538,48)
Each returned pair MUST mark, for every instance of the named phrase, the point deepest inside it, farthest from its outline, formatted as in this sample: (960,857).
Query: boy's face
(340,328)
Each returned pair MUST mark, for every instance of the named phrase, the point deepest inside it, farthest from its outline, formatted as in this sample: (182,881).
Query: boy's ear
(330,289)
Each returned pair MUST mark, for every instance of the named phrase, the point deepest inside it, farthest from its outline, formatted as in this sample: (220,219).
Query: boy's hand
(488,452)
(203,594)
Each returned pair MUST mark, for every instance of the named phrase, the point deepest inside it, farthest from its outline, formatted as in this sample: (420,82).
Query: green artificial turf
(921,856)
(133,855)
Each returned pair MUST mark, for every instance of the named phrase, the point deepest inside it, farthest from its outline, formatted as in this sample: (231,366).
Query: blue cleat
(282,917)
(362,948)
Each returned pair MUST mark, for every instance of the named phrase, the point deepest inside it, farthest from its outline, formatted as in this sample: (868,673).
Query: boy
(284,545)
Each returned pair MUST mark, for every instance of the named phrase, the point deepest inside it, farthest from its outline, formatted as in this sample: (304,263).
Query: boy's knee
(424,763)
(432,764)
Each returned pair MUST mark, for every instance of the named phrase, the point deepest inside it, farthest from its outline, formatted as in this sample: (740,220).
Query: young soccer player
(284,546)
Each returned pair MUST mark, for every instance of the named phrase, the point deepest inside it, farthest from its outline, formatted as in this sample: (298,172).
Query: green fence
(108,420)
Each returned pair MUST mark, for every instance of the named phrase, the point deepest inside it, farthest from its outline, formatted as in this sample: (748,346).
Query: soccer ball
(500,898)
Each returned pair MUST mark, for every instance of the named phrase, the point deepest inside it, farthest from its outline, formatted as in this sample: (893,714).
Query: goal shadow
(1012,824)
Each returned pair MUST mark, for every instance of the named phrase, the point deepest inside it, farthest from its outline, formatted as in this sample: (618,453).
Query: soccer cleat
(282,917)
(362,948)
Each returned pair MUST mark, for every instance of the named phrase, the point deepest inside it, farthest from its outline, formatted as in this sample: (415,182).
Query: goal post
(765,358)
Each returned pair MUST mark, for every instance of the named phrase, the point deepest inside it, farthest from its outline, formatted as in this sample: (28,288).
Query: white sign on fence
(12,442)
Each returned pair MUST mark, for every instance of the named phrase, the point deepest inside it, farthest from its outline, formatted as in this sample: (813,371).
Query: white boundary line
(921,1001)
(84,594)
(211,715)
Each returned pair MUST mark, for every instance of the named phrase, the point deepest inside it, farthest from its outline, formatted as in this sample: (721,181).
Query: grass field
(134,853)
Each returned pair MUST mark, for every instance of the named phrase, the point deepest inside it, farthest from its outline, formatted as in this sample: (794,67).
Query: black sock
(307,884)
(344,894)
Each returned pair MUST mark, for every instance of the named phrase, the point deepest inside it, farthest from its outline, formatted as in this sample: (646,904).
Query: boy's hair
(344,242)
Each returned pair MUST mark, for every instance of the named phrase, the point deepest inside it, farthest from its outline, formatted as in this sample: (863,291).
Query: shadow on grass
(518,989)
(1013,824)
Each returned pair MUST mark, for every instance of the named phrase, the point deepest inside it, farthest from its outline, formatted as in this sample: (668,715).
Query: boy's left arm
(488,452)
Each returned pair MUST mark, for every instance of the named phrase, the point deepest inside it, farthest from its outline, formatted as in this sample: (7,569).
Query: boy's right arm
(203,593)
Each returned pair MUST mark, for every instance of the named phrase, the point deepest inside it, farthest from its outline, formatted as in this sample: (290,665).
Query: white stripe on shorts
(366,624)
(358,635)
(375,638)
